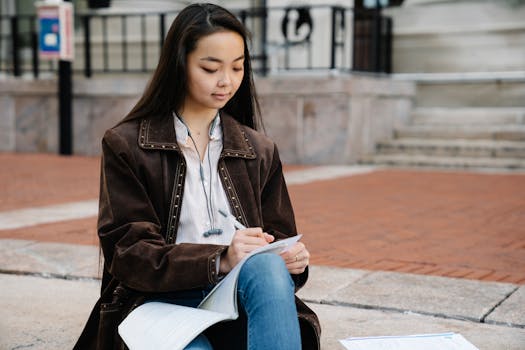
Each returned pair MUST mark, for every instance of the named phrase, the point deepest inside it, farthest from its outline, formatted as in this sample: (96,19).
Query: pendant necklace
(209,199)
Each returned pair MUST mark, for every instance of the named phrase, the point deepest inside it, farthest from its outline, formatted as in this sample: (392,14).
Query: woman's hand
(243,242)
(296,258)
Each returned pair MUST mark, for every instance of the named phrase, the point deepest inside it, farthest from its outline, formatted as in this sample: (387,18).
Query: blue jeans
(265,294)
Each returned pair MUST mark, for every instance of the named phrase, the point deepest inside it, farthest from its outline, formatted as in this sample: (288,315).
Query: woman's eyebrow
(215,59)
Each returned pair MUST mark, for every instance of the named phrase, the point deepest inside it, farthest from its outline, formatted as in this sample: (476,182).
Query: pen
(232,218)
(236,223)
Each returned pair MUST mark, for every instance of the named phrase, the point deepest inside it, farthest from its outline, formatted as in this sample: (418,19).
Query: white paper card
(441,341)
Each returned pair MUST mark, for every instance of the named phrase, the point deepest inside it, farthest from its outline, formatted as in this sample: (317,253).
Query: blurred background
(410,83)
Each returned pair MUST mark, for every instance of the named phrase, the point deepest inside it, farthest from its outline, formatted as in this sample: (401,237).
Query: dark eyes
(211,71)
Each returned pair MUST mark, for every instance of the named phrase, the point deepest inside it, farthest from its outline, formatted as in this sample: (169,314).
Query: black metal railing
(284,39)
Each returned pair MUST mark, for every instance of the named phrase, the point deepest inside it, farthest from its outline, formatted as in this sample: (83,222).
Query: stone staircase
(457,137)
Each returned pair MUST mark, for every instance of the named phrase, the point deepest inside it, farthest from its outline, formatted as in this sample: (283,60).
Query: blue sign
(49,36)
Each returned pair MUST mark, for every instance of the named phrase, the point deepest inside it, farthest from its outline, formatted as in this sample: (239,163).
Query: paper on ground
(441,341)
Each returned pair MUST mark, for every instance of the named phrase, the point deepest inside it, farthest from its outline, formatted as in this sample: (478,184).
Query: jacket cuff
(214,264)
(300,279)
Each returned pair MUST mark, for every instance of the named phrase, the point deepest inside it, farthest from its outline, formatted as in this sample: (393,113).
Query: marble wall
(28,119)
(313,119)
(332,120)
(437,36)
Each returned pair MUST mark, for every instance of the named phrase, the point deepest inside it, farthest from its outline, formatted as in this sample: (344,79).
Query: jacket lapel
(235,143)
(158,133)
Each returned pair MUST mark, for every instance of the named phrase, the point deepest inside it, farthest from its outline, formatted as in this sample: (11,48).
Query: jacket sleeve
(129,230)
(277,210)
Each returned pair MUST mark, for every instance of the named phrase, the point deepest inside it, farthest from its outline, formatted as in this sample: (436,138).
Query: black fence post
(377,40)
(65,97)
(105,46)
(124,43)
(65,107)
(87,47)
(15,40)
(264,39)
(243,15)
(144,43)
(334,35)
(34,49)
(388,45)
(162,29)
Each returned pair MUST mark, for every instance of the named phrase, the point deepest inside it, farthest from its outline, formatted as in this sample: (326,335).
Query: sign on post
(55,38)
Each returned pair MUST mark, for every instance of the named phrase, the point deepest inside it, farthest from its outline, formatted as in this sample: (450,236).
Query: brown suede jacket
(141,187)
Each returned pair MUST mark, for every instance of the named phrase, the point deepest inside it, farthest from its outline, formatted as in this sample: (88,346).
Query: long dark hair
(167,88)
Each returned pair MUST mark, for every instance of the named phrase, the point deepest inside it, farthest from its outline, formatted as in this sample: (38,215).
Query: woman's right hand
(243,242)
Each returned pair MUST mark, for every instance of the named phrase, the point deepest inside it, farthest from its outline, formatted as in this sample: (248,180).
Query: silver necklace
(209,199)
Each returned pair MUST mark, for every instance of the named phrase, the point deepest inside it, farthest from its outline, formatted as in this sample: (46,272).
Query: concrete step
(406,160)
(468,116)
(470,132)
(454,148)
(484,89)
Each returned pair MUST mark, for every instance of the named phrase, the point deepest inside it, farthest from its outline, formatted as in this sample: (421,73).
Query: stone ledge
(443,297)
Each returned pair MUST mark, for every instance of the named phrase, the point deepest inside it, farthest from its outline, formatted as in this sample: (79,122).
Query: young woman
(187,150)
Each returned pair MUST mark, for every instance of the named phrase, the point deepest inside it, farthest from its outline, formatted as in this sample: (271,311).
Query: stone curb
(451,298)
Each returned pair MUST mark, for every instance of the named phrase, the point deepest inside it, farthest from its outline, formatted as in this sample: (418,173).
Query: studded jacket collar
(154,134)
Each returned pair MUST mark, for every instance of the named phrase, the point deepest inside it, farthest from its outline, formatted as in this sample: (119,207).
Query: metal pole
(17,71)
(264,39)
(334,34)
(377,38)
(34,49)
(162,29)
(65,97)
(87,47)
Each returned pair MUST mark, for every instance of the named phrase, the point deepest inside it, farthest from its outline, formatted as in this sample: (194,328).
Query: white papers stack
(441,341)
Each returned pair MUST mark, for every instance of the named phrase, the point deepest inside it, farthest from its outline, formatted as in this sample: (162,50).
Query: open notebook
(164,326)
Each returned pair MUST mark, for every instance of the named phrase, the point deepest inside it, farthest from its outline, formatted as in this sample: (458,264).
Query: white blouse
(194,216)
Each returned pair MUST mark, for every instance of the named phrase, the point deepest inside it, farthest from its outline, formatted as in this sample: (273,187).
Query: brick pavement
(454,224)
(440,223)
(42,179)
